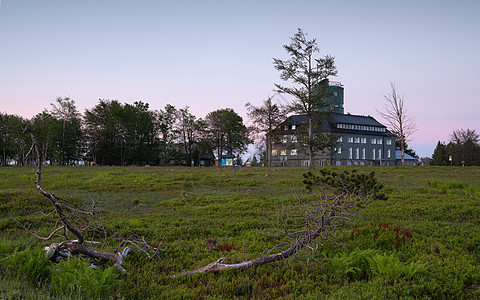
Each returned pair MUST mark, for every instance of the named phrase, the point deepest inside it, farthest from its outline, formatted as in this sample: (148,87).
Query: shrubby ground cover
(423,242)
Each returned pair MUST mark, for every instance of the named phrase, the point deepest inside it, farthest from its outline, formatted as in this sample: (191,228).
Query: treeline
(463,149)
(114,133)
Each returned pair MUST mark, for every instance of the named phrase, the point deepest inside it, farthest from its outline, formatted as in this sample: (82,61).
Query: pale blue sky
(216,54)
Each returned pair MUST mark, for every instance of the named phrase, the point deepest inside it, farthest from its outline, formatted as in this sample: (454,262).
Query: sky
(210,55)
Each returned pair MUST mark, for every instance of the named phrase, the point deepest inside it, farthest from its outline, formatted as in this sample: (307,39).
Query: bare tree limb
(74,220)
(311,218)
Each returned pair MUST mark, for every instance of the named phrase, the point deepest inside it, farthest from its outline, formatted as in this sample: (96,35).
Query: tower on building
(333,91)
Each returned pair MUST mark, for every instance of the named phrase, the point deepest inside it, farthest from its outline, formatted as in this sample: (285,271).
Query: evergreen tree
(440,157)
(306,73)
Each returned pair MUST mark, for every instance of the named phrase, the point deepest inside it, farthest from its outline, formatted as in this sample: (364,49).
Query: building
(361,140)
(408,159)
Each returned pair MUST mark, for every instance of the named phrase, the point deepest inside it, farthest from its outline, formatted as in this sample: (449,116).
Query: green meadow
(421,243)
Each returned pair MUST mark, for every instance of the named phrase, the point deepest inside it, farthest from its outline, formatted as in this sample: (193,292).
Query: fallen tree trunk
(217,265)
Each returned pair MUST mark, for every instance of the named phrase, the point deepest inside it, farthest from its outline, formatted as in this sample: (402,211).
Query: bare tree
(73,222)
(265,118)
(400,122)
(311,219)
(306,72)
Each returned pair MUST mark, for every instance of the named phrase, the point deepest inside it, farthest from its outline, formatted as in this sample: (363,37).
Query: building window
(340,139)
(364,140)
(379,141)
(294,126)
(379,153)
(388,141)
(374,141)
(357,140)
(373,154)
(285,139)
(293,152)
(294,138)
(388,153)
(274,152)
(339,150)
(285,127)
(304,163)
(283,152)
(350,139)
(357,153)
(350,153)
(363,153)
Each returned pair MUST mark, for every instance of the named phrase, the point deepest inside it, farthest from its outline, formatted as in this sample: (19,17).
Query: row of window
(359,154)
(346,126)
(361,127)
(284,152)
(350,139)
(290,127)
(363,140)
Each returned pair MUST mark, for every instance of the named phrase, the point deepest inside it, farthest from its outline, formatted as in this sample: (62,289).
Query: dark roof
(332,118)
(338,118)
(354,119)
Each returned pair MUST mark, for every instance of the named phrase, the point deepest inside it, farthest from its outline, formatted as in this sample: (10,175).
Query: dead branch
(311,218)
(74,220)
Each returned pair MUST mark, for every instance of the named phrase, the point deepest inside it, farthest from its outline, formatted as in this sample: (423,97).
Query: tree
(265,118)
(168,134)
(227,132)
(306,73)
(67,133)
(12,140)
(189,132)
(440,157)
(103,133)
(44,123)
(464,147)
(121,134)
(398,119)
(140,133)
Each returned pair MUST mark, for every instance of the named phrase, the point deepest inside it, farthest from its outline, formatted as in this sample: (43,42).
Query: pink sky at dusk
(216,54)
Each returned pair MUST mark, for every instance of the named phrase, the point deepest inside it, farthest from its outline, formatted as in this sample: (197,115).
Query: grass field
(421,243)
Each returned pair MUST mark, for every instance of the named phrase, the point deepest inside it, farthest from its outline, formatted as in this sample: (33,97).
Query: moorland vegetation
(421,242)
